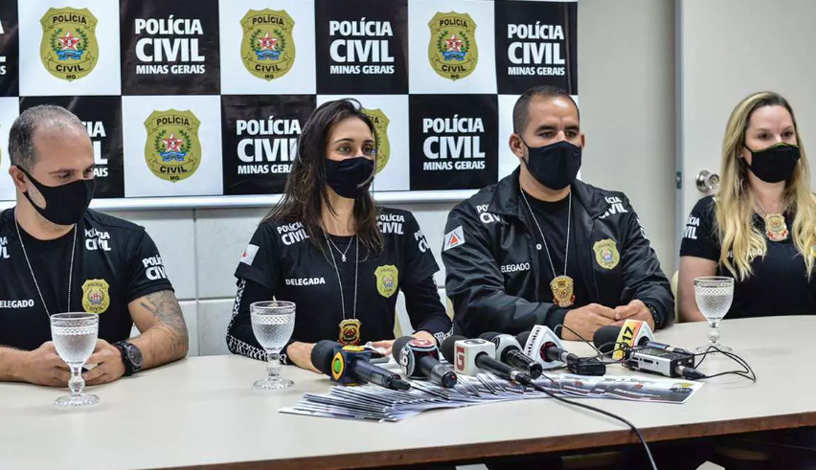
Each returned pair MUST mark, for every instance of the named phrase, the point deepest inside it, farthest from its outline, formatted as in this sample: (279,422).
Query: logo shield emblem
(268,48)
(381,123)
(68,48)
(350,332)
(95,296)
(606,253)
(172,150)
(563,290)
(387,280)
(776,228)
(452,50)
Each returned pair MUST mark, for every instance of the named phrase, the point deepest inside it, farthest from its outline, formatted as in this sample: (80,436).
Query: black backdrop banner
(194,98)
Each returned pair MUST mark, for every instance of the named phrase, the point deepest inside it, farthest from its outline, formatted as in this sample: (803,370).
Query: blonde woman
(760,228)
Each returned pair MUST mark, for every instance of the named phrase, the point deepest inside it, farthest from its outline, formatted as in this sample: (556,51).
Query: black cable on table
(746,373)
(603,412)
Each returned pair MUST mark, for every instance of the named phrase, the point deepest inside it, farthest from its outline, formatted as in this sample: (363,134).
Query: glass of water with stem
(74,336)
(714,295)
(273,322)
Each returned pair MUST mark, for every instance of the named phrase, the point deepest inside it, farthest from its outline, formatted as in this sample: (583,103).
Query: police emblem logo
(452,50)
(381,123)
(350,332)
(172,149)
(776,228)
(563,290)
(387,280)
(68,48)
(606,253)
(95,296)
(268,48)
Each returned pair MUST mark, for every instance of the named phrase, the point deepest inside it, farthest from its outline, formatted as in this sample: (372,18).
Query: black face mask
(66,204)
(556,165)
(346,177)
(775,163)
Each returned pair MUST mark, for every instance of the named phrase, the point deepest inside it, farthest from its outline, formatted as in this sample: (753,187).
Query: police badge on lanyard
(350,332)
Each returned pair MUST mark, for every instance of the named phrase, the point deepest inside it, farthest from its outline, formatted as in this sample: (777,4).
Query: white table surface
(201,412)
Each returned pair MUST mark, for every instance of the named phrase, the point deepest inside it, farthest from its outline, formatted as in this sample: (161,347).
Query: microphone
(538,342)
(508,351)
(620,339)
(470,355)
(349,365)
(419,359)
(553,353)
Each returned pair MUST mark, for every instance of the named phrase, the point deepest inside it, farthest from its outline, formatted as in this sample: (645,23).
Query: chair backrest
(674,280)
(397,328)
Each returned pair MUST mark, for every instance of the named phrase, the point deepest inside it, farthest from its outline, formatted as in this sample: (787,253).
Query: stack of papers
(372,402)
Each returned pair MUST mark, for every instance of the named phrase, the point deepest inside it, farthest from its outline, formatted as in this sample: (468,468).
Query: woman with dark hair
(332,251)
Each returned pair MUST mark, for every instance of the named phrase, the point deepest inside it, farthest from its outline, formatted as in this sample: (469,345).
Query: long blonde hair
(735,202)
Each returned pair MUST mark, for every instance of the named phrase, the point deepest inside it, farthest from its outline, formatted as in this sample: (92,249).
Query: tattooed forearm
(164,307)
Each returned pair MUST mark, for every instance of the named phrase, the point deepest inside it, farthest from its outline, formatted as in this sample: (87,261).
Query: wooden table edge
(475,452)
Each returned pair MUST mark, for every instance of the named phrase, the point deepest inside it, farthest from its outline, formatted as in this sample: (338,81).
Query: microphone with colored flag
(419,359)
(349,365)
(468,356)
(622,338)
(508,351)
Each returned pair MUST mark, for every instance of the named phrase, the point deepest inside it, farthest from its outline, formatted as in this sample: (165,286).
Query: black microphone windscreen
(398,345)
(449,346)
(606,337)
(322,355)
(523,337)
(489,335)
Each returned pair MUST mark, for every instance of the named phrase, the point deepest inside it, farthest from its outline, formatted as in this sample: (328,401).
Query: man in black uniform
(540,247)
(57,256)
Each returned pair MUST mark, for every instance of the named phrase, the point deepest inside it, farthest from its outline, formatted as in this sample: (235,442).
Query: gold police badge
(452,50)
(95,296)
(172,150)
(68,48)
(776,228)
(267,48)
(387,280)
(350,331)
(381,122)
(606,253)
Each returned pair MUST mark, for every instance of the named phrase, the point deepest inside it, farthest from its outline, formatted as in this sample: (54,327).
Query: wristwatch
(655,316)
(131,357)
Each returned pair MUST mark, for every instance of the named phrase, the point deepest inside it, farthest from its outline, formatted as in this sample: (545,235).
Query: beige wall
(730,49)
(626,87)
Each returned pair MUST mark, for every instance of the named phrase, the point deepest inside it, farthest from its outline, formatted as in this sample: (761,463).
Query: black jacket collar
(507,197)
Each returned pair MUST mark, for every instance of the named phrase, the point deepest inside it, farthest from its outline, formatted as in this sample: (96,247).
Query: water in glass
(74,345)
(272,331)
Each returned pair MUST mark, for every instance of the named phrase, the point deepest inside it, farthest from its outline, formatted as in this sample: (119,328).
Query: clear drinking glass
(74,336)
(714,295)
(273,322)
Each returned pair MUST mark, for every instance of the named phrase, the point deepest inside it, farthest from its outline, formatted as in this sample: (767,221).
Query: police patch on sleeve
(248,257)
(454,238)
